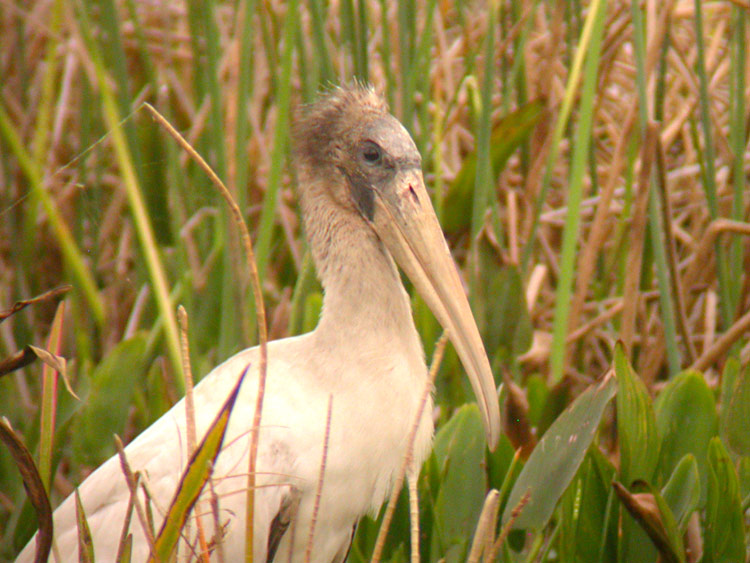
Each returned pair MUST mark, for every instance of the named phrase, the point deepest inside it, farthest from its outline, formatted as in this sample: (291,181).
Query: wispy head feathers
(321,127)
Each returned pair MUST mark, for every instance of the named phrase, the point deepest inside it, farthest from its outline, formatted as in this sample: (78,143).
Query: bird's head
(349,139)
(354,154)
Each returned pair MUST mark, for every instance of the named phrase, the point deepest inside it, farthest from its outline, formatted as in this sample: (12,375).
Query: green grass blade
(585,529)
(194,478)
(126,551)
(709,168)
(738,141)
(363,70)
(407,28)
(113,54)
(561,123)
(264,238)
(386,54)
(508,134)
(656,227)
(82,276)
(238,174)
(323,59)
(213,62)
(483,184)
(245,88)
(597,14)
(424,47)
(205,43)
(137,206)
(348,32)
(143,50)
(42,129)
(49,401)
(85,542)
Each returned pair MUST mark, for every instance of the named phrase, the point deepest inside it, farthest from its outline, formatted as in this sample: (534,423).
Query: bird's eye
(371,153)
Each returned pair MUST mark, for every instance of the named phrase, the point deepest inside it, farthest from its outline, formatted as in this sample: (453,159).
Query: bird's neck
(364,300)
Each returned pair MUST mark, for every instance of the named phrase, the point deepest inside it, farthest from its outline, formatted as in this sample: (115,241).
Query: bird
(365,210)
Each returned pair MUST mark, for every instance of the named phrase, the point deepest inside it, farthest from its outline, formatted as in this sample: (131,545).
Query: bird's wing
(160,455)
(280,522)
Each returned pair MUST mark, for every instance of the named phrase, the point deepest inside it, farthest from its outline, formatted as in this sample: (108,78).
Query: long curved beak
(406,223)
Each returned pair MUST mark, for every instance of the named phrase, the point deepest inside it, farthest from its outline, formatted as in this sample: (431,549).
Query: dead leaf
(57,363)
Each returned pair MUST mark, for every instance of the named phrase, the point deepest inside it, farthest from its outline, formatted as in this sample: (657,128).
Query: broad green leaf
(398,536)
(584,526)
(499,462)
(743,473)
(724,532)
(507,327)
(732,369)
(459,452)
(400,554)
(555,401)
(636,426)
(431,475)
(109,399)
(364,540)
(639,451)
(683,490)
(506,136)
(85,543)
(735,406)
(398,533)
(634,544)
(686,419)
(557,457)
(156,400)
(193,479)
(536,393)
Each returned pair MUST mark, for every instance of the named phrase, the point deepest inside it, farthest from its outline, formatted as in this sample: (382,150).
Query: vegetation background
(586,159)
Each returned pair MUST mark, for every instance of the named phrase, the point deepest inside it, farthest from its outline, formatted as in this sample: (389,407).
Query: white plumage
(363,201)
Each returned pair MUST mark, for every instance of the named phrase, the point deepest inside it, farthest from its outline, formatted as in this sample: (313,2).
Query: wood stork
(364,205)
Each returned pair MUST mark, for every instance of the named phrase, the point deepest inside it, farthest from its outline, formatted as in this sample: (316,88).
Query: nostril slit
(413,194)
